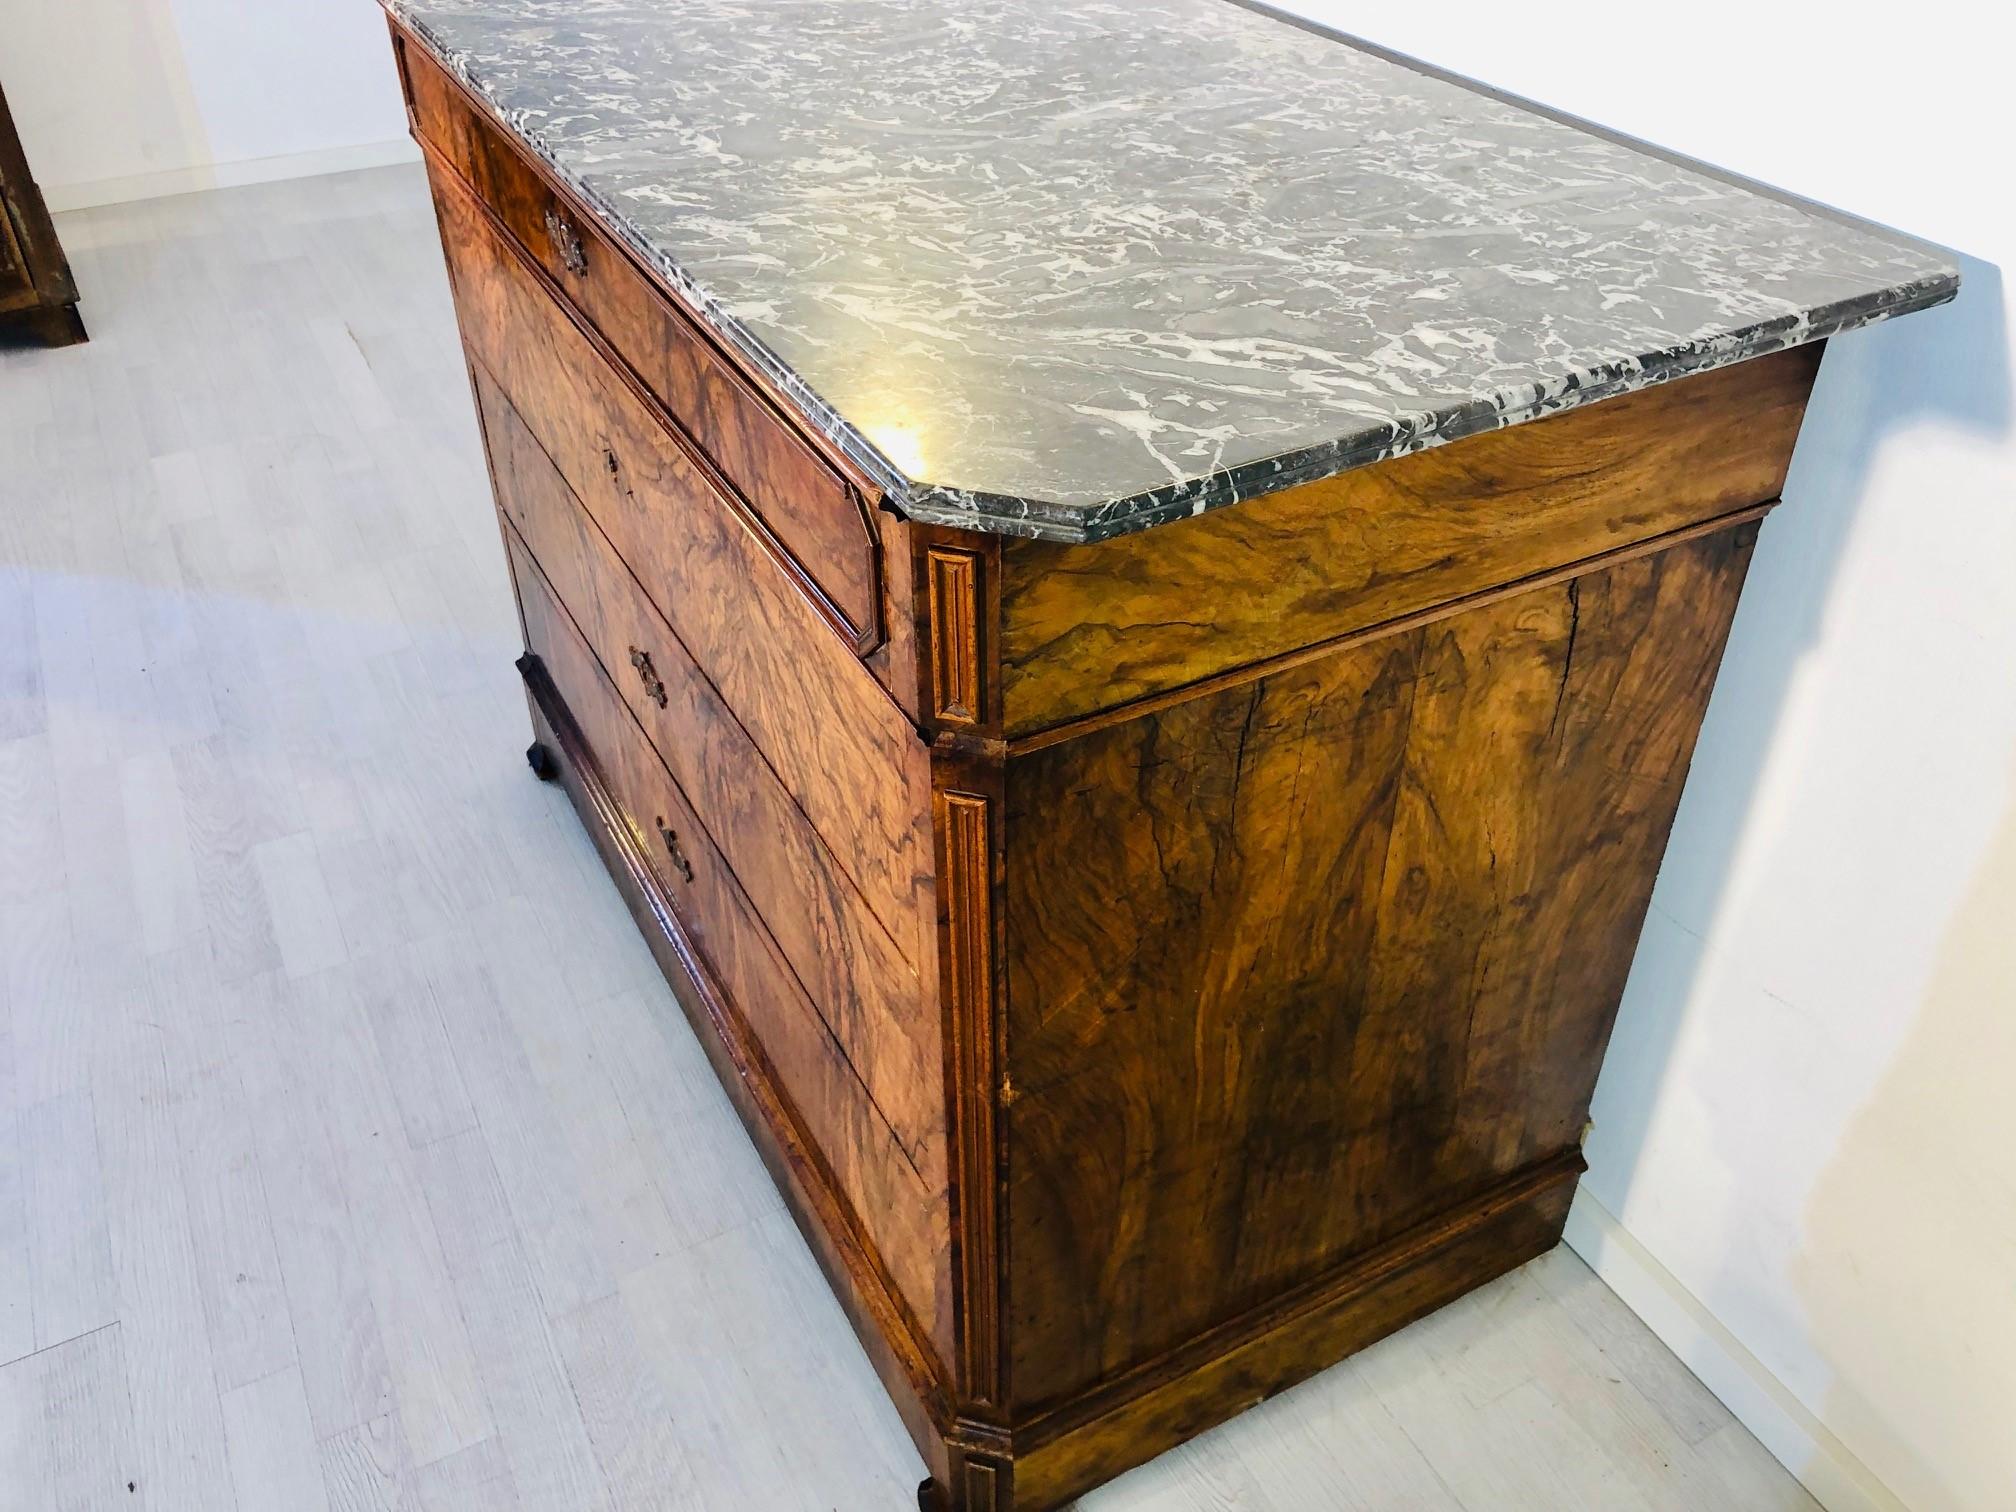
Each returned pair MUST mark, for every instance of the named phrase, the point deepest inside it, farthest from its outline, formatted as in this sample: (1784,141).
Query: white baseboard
(140,186)
(1760,1401)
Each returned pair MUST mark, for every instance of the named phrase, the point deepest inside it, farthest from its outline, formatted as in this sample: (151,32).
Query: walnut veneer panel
(1364,921)
(1089,627)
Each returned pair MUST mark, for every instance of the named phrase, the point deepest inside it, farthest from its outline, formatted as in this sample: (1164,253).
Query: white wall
(121,99)
(1806,1128)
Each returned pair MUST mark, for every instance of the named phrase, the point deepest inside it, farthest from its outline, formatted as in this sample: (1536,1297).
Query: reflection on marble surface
(1070,268)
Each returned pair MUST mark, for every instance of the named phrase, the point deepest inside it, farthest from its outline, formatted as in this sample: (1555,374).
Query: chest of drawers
(1153,967)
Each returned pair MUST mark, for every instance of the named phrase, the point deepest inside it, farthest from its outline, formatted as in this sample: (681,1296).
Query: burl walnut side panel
(1364,922)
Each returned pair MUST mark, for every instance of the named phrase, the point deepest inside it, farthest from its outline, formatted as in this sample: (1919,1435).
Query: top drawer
(810,511)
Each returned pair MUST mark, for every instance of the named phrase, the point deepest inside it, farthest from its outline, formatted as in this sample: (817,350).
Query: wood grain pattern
(848,963)
(1364,922)
(894,664)
(966,891)
(1089,627)
(1184,983)
(953,583)
(817,516)
(842,748)
(1549,742)
(953,615)
(889,1201)
(66,1426)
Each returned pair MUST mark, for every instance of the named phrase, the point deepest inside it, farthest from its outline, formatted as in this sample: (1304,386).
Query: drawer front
(838,744)
(814,514)
(905,1217)
(870,998)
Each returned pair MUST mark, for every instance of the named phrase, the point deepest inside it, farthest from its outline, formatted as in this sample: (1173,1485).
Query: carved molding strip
(983,1487)
(953,582)
(965,879)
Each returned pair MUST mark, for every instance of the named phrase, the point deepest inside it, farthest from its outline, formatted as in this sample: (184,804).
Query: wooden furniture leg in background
(38,297)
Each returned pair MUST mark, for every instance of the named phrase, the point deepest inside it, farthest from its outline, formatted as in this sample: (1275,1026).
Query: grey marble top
(1069,268)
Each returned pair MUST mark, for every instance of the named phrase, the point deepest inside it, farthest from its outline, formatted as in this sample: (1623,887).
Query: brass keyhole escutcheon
(671,838)
(654,685)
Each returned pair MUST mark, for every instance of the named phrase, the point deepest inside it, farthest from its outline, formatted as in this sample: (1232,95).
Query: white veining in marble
(1069,268)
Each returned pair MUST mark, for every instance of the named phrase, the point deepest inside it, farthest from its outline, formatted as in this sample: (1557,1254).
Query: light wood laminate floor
(352,1153)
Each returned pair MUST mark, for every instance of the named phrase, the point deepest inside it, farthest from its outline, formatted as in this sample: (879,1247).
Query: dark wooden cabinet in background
(1152,969)
(37,294)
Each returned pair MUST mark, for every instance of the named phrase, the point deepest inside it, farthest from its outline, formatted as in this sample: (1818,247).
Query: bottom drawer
(892,1205)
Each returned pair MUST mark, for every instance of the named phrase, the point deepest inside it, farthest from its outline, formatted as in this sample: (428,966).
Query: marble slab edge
(1080,524)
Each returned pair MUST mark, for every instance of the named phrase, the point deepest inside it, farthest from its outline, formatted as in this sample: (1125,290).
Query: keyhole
(671,838)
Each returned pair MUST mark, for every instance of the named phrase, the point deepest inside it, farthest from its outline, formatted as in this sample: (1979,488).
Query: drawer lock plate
(654,685)
(671,838)
(566,242)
